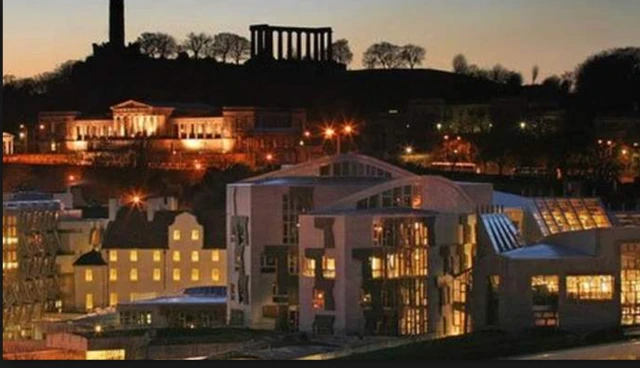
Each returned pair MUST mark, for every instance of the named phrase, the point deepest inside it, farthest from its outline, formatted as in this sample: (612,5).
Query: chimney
(114,207)
(116,23)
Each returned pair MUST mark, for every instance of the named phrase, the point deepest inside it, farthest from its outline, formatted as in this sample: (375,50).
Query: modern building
(150,250)
(201,307)
(308,253)
(352,245)
(176,129)
(30,244)
(7,144)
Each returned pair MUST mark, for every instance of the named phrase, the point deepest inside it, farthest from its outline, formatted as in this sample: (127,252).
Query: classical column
(253,43)
(316,46)
(308,51)
(279,44)
(299,44)
(269,43)
(289,45)
(330,51)
(323,45)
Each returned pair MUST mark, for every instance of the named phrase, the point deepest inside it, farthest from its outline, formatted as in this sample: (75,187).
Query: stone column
(316,47)
(330,51)
(289,45)
(269,33)
(260,39)
(308,51)
(323,45)
(253,43)
(280,53)
(299,44)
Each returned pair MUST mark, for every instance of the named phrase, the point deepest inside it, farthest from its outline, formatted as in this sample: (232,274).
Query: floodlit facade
(7,144)
(30,243)
(176,128)
(350,244)
(150,251)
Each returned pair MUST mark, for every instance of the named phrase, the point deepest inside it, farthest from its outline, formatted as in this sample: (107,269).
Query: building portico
(312,44)
(7,144)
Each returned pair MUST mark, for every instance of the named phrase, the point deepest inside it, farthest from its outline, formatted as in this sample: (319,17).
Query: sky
(557,35)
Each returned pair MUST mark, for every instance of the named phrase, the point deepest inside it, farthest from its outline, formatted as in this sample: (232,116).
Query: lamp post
(24,137)
(348,130)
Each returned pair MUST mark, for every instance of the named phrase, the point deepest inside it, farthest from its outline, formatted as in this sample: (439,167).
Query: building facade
(150,252)
(30,244)
(7,144)
(176,129)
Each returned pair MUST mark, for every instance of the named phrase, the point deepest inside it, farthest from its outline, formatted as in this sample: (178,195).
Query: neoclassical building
(176,128)
(7,144)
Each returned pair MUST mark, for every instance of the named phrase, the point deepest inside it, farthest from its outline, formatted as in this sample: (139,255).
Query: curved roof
(438,194)
(312,168)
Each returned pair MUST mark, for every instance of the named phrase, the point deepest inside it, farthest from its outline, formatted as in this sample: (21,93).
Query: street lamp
(408,150)
(439,126)
(523,125)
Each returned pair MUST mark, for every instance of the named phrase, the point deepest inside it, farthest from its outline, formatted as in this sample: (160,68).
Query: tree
(383,54)
(240,49)
(460,64)
(535,73)
(413,55)
(197,45)
(610,79)
(342,52)
(158,45)
(223,43)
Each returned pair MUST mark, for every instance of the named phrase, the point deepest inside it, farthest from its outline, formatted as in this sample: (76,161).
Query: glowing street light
(600,141)
(329,133)
(625,152)
(459,138)
(446,137)
(72,178)
(609,143)
(41,126)
(269,157)
(408,150)
(307,134)
(22,135)
(136,199)
(301,143)
(439,126)
(98,329)
(523,125)
(348,129)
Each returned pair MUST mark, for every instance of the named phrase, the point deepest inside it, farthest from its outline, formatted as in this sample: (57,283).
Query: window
(215,274)
(176,274)
(176,256)
(88,301)
(133,276)
(113,274)
(195,235)
(545,290)
(630,284)
(157,256)
(376,267)
(133,256)
(292,263)
(268,264)
(590,287)
(329,268)
(309,267)
(157,274)
(113,299)
(195,256)
(113,256)
(195,275)
(177,235)
(88,275)
(215,256)
(318,299)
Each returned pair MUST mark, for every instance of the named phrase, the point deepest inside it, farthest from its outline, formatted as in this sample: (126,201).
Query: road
(629,350)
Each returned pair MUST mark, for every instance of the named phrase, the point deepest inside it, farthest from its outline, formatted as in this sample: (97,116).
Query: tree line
(224,47)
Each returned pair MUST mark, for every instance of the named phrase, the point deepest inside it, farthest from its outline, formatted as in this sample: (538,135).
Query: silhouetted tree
(552,83)
(158,45)
(230,46)
(383,54)
(197,45)
(413,55)
(9,80)
(342,52)
(535,73)
(460,64)
(240,49)
(611,79)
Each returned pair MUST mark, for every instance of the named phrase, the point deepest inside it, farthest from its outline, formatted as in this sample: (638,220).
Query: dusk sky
(555,34)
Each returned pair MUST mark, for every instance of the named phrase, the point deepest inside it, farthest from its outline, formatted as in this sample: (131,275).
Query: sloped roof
(502,232)
(93,258)
(545,251)
(132,230)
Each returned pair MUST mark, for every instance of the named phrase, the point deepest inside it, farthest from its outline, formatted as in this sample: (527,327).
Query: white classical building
(7,144)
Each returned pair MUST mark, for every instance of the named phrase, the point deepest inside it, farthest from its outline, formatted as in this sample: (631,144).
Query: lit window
(113,299)
(133,256)
(215,256)
(176,274)
(215,274)
(157,274)
(157,256)
(195,256)
(113,256)
(176,235)
(318,299)
(89,302)
(88,275)
(376,267)
(590,287)
(195,275)
(329,268)
(176,256)
(134,274)
(195,235)
(309,267)
(113,274)
(545,289)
